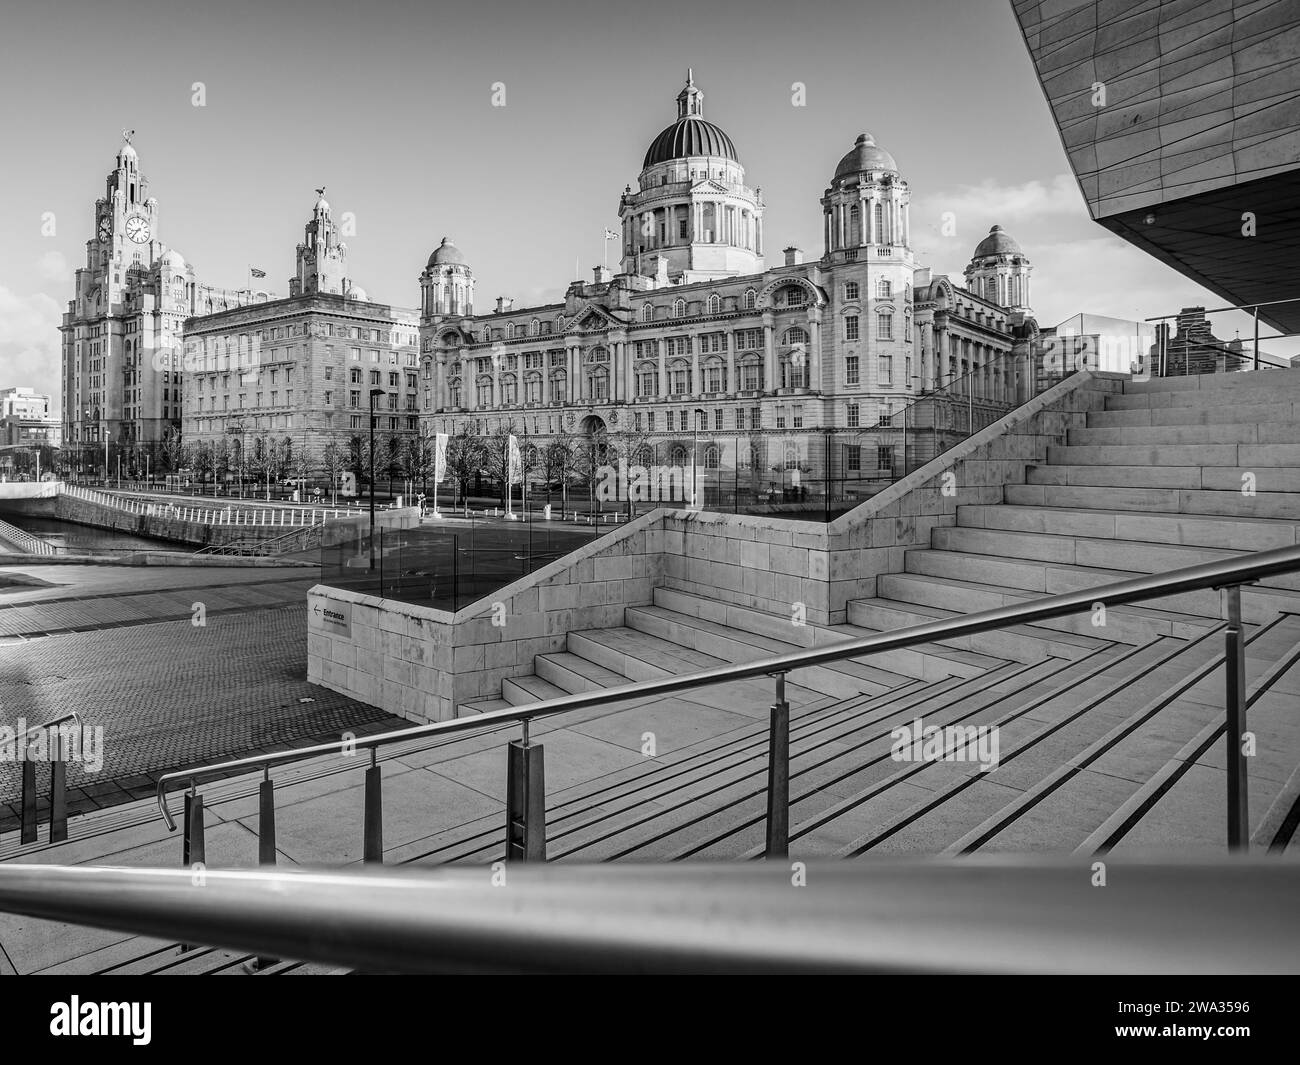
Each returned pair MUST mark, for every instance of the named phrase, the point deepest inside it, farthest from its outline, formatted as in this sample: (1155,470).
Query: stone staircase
(1110,735)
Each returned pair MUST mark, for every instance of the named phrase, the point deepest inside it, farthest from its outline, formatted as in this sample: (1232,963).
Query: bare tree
(335,458)
(465,459)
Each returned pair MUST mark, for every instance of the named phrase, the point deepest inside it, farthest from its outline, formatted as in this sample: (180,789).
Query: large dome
(689,136)
(998,242)
(447,254)
(865,155)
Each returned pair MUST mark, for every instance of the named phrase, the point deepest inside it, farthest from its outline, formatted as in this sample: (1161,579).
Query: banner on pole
(515,470)
(440,458)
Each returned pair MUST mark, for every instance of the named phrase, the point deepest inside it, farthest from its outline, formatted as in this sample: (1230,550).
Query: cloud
(30,341)
(977,207)
(53,266)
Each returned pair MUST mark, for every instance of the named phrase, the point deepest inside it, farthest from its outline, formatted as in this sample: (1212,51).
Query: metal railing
(239,513)
(58,810)
(24,540)
(985,914)
(525,806)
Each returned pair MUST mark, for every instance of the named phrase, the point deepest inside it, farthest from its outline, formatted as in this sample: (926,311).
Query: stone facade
(120,386)
(697,335)
(300,370)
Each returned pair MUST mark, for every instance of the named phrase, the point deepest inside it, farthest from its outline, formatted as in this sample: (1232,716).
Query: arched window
(795,296)
(878,223)
(559,387)
(534,327)
(751,372)
(715,376)
(794,335)
(647,380)
(648,313)
(597,383)
(715,304)
(884,289)
(855,226)
(679,457)
(679,377)
(751,299)
(679,308)
(712,457)
(509,390)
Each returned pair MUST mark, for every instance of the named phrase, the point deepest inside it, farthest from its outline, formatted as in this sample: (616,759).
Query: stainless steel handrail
(70,716)
(1218,574)
(989,914)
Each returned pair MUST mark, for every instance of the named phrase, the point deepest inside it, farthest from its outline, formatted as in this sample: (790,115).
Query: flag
(515,469)
(256,272)
(610,235)
(440,458)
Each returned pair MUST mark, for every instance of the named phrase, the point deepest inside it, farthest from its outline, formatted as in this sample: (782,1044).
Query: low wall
(423,664)
(819,568)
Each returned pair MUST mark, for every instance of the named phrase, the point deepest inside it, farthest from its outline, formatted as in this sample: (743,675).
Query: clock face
(105,228)
(137,228)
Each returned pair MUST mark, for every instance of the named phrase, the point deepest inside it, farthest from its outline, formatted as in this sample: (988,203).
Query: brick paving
(168,693)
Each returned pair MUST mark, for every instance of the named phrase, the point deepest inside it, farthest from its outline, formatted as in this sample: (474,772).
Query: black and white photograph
(725,489)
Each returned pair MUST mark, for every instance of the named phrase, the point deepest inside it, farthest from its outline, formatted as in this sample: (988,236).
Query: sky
(241,109)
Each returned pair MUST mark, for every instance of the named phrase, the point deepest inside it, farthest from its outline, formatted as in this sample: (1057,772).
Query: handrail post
(778,775)
(266,819)
(525,800)
(29,798)
(373,841)
(58,791)
(1235,706)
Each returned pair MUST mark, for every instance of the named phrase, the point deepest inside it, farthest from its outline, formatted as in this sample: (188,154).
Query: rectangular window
(851,327)
(886,376)
(853,458)
(329,398)
(798,417)
(780,417)
(354,354)
(851,290)
(885,459)
(650,421)
(683,421)
(740,417)
(853,415)
(717,420)
(907,372)
(851,370)
(756,418)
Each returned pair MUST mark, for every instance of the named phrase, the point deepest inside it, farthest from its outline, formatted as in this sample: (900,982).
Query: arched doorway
(592,425)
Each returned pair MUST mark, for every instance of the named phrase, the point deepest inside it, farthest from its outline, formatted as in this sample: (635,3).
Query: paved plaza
(119,645)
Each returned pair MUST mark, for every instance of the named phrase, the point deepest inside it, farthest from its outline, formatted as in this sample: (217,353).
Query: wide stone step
(1131,555)
(1204,530)
(1259,603)
(519,691)
(878,784)
(1105,781)
(1245,456)
(1283,413)
(925,661)
(1021,643)
(1036,754)
(828,749)
(1222,384)
(842,679)
(1264,479)
(1126,624)
(1283,506)
(1182,804)
(1237,432)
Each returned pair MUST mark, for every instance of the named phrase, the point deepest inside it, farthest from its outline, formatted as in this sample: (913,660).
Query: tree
(465,458)
(637,446)
(175,452)
(223,458)
(335,459)
(593,452)
(419,460)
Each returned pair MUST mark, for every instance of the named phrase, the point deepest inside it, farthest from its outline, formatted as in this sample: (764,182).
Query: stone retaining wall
(423,663)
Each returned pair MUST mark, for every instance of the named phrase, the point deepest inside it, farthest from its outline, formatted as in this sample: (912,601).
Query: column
(864,211)
(815,349)
(546,378)
(771,377)
(663,367)
(759,221)
(697,385)
(733,386)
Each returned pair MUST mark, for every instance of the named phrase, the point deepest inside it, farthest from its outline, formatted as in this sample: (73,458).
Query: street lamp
(373,393)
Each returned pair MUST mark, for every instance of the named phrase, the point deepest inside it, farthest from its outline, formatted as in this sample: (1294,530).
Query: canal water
(70,538)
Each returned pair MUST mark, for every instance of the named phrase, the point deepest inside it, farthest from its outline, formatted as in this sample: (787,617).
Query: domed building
(692,218)
(999,271)
(697,340)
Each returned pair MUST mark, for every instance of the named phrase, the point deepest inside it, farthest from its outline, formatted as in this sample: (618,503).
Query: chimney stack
(793,256)
(504,303)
